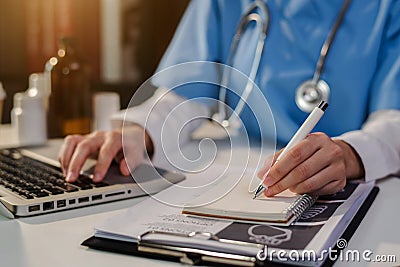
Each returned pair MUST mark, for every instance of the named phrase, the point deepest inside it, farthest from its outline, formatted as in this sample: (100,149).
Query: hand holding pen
(310,163)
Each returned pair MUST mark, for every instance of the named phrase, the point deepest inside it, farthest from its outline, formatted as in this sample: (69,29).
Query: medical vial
(70,104)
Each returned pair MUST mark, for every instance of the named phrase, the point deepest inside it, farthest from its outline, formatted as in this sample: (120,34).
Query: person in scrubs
(358,137)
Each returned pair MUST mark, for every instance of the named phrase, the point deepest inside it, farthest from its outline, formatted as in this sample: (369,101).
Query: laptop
(31,184)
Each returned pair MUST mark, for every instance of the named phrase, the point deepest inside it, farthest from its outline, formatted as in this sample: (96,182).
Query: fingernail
(70,176)
(268,181)
(96,177)
(268,193)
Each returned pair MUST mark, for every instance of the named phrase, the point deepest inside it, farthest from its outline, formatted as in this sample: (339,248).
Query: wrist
(353,162)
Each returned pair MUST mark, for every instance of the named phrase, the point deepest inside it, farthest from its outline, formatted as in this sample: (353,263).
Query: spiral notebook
(237,204)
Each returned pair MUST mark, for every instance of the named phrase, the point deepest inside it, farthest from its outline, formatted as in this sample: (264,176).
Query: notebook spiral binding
(300,205)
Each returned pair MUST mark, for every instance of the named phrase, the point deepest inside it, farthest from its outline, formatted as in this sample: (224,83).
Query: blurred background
(122,40)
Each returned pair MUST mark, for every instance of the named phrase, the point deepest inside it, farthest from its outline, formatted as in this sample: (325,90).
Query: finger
(294,157)
(132,152)
(331,188)
(107,153)
(119,156)
(82,152)
(267,164)
(324,181)
(134,147)
(133,159)
(123,167)
(67,149)
(311,166)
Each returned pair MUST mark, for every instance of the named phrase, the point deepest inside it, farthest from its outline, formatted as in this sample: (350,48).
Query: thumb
(123,167)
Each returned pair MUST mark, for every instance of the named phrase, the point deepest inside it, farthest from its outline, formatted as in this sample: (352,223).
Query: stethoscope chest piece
(310,93)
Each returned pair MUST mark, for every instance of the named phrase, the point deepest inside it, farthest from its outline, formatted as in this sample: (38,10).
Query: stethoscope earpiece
(310,93)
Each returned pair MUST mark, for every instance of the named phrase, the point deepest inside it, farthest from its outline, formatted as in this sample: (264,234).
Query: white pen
(301,133)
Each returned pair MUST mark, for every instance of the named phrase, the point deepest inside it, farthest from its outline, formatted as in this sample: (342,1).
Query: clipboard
(196,256)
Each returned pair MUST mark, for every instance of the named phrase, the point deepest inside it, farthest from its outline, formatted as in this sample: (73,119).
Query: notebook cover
(130,248)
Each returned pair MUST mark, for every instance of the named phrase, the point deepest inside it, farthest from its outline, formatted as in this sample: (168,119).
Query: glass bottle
(2,97)
(70,104)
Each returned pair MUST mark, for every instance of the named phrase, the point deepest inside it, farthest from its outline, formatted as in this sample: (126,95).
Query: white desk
(53,239)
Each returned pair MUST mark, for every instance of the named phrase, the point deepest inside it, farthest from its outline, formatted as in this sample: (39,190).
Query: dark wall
(158,21)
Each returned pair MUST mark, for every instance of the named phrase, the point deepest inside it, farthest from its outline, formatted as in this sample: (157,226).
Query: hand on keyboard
(30,178)
(105,147)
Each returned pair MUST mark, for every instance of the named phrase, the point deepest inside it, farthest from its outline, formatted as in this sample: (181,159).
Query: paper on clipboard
(153,215)
(169,231)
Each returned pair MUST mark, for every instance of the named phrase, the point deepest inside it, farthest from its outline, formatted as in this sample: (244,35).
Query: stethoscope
(308,95)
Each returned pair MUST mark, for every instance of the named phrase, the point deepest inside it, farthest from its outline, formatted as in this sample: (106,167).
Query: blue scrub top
(362,68)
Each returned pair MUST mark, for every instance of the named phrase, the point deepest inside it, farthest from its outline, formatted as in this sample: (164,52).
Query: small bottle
(105,104)
(28,116)
(37,87)
(2,97)
(70,104)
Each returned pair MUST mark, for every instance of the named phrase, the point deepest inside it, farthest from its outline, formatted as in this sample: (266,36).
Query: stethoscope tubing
(263,25)
(328,42)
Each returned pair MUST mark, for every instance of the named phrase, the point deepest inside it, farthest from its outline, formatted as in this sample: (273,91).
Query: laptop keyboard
(30,178)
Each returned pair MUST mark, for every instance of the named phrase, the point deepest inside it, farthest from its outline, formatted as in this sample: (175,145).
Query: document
(162,212)
(151,215)
(318,229)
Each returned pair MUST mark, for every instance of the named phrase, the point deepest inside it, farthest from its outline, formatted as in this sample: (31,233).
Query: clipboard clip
(188,251)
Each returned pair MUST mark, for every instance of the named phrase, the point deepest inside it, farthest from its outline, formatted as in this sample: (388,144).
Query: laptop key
(101,184)
(56,191)
(48,187)
(27,195)
(52,179)
(59,182)
(86,187)
(82,185)
(31,179)
(67,187)
(40,194)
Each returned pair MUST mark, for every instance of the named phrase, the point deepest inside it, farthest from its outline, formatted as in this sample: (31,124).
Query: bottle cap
(2,92)
(18,100)
(37,85)
(36,80)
